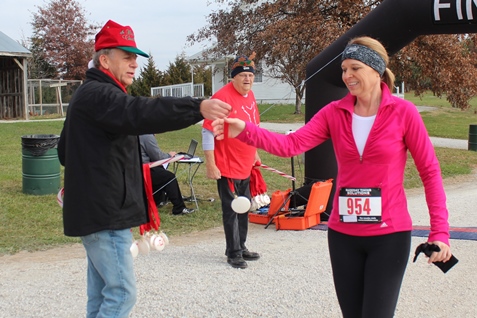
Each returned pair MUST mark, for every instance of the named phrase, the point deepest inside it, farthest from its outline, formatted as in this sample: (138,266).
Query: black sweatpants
(368,272)
(235,224)
(161,177)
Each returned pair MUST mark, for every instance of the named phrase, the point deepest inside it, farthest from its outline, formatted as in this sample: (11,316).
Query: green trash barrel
(40,164)
(472,137)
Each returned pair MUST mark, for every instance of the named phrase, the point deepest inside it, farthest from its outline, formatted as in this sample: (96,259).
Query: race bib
(360,205)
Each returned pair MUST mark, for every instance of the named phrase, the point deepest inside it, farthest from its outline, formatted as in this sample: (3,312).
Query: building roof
(203,57)
(9,47)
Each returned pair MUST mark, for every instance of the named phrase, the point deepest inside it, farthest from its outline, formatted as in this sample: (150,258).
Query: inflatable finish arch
(395,23)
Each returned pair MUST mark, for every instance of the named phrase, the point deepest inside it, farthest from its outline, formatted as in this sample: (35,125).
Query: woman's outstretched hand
(235,127)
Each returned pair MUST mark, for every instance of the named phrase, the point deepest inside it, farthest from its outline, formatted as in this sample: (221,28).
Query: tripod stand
(293,193)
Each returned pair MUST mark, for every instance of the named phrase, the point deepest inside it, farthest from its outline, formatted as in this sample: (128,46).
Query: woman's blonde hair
(388,76)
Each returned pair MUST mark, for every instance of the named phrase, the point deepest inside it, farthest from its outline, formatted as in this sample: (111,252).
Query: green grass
(428,99)
(449,123)
(281,113)
(29,222)
(445,121)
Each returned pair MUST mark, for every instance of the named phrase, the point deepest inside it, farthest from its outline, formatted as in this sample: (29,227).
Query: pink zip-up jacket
(398,127)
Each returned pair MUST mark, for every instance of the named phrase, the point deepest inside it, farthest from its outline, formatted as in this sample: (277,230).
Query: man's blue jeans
(111,284)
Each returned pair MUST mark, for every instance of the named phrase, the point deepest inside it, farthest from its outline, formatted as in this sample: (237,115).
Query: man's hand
(213,172)
(258,161)
(214,108)
(235,127)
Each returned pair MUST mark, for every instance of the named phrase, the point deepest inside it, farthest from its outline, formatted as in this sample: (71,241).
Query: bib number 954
(360,205)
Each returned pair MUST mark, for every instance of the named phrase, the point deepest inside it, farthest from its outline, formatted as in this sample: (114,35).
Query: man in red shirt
(230,161)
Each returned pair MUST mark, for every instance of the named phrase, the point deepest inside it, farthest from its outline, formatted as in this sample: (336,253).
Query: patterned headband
(366,55)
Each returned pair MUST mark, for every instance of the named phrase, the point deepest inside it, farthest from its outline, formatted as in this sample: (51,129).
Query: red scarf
(154,220)
(107,72)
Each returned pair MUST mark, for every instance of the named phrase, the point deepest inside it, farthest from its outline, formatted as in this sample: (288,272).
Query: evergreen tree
(149,77)
(203,75)
(178,72)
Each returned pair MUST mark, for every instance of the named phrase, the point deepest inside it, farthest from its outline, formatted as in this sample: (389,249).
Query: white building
(267,90)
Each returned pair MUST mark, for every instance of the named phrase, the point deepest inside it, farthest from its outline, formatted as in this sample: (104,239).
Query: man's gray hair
(97,54)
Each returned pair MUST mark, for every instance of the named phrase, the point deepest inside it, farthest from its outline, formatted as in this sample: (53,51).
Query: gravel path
(190,277)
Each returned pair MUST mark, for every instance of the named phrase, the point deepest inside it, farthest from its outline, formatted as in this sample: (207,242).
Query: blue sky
(160,26)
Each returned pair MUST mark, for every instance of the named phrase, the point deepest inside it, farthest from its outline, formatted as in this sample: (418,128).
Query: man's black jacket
(99,148)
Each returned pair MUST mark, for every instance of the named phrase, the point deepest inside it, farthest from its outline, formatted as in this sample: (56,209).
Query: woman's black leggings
(368,272)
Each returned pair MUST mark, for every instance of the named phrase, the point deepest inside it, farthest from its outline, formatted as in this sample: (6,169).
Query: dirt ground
(77,251)
(28,281)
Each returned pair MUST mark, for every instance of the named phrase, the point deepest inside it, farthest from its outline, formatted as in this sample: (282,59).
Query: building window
(258,72)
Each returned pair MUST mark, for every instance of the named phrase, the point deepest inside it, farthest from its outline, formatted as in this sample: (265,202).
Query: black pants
(161,177)
(368,272)
(235,224)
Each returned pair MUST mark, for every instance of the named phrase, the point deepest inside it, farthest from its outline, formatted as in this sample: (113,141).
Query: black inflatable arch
(395,23)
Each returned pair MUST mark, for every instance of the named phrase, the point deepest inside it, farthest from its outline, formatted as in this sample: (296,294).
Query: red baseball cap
(114,35)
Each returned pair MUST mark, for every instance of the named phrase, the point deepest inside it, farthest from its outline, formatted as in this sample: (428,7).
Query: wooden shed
(13,79)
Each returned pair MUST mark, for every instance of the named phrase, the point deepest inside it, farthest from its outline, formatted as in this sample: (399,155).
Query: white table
(193,166)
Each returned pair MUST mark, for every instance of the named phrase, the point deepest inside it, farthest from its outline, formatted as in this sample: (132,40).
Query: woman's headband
(366,55)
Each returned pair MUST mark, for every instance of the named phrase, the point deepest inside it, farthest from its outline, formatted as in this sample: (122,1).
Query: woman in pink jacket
(369,234)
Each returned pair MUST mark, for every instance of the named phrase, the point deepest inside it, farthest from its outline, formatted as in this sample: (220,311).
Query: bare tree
(287,34)
(63,38)
(443,64)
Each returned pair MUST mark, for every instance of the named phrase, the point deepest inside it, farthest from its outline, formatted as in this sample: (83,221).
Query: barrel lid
(41,136)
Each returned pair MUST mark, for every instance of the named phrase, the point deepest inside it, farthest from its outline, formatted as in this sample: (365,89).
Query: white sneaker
(185,211)
(188,211)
